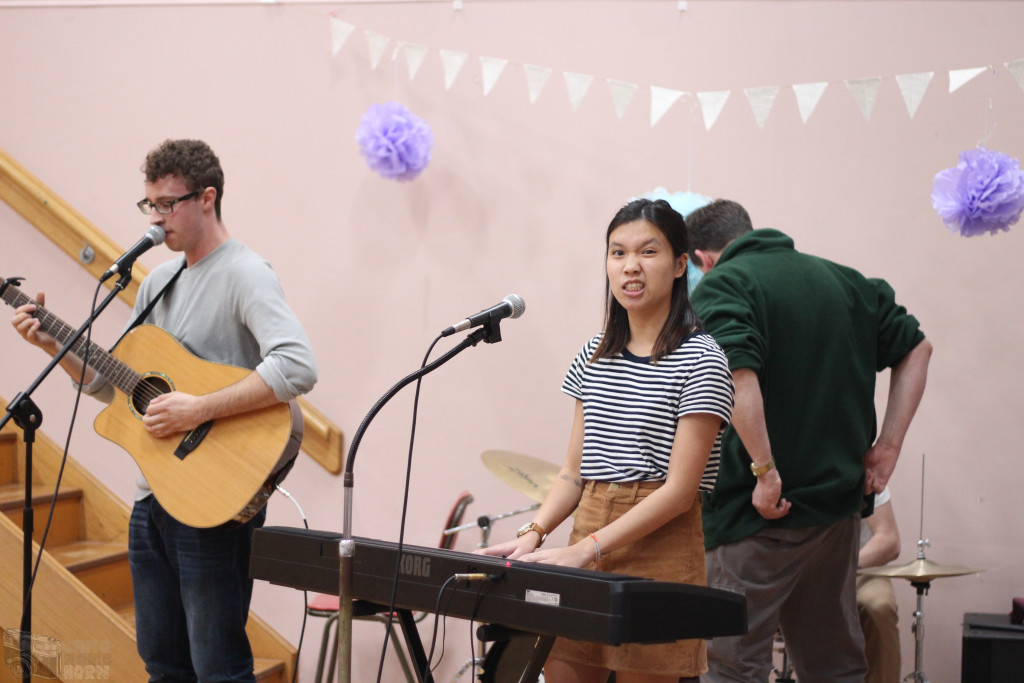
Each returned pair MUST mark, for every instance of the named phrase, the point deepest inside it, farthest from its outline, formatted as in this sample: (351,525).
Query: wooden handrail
(72,232)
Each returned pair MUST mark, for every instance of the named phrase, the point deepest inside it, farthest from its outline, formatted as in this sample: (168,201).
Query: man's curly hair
(191,160)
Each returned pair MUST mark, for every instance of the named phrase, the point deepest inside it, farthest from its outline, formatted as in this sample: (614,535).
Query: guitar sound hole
(147,389)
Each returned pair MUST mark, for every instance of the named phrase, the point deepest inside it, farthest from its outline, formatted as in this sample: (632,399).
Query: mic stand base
(28,417)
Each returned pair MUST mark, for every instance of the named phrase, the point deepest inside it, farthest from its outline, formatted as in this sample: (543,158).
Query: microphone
(512,306)
(154,236)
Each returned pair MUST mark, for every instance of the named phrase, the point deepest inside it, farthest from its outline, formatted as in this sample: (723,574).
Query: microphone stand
(28,417)
(489,333)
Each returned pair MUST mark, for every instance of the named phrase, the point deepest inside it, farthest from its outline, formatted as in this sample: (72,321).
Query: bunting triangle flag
(378,42)
(1017,71)
(536,78)
(712,103)
(452,62)
(761,100)
(340,31)
(807,97)
(577,86)
(913,86)
(662,100)
(958,77)
(491,67)
(622,95)
(414,55)
(865,91)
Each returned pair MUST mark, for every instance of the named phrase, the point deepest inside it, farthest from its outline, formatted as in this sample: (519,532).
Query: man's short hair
(191,160)
(715,226)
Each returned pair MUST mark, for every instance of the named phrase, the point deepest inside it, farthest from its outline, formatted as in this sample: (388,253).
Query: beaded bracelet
(596,545)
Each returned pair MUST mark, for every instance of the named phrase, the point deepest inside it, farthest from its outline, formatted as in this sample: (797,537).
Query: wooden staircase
(82,600)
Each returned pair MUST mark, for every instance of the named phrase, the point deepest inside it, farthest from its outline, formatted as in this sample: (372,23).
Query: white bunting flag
(913,86)
(491,67)
(536,78)
(340,31)
(414,55)
(622,95)
(1017,70)
(865,91)
(712,103)
(761,101)
(378,43)
(958,77)
(807,97)
(662,100)
(452,62)
(577,86)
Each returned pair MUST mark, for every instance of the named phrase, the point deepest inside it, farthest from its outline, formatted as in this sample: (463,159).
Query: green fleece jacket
(816,333)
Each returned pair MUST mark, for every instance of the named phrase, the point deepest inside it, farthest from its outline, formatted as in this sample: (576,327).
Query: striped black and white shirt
(631,407)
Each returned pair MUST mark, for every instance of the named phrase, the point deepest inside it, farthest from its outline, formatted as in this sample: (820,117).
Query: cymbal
(920,570)
(524,473)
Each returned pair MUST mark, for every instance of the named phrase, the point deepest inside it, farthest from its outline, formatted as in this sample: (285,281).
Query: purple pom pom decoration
(983,193)
(395,142)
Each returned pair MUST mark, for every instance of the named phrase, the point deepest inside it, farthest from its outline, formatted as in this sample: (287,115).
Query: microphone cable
(305,596)
(389,617)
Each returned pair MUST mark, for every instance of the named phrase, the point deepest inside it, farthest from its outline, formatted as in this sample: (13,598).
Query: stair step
(102,566)
(66,526)
(269,670)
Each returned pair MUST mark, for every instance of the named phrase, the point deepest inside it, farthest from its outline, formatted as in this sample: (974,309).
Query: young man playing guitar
(225,305)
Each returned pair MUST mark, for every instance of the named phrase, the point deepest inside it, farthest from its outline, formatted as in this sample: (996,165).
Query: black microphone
(154,236)
(512,306)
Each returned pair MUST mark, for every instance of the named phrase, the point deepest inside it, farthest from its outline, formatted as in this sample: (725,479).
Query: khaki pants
(879,619)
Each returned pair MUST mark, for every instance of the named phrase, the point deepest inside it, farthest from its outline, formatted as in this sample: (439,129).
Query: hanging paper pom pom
(395,142)
(983,193)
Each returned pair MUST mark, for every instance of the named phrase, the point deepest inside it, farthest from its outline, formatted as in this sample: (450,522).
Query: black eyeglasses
(163,207)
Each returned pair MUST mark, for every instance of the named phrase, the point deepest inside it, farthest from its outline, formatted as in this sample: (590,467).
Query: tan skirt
(675,552)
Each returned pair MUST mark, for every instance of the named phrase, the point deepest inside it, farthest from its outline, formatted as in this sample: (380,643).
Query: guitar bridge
(192,439)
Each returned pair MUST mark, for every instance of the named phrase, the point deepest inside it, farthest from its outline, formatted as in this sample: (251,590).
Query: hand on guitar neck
(27,322)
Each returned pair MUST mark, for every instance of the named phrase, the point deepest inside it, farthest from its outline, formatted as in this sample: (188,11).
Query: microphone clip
(492,331)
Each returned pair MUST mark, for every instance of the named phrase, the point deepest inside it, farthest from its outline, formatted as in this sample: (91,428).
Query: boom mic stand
(490,333)
(28,417)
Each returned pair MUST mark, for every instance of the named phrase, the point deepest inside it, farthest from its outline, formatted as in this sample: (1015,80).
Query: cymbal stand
(917,627)
(484,522)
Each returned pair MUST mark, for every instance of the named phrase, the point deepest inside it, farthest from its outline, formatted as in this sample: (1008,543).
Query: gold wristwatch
(760,470)
(532,526)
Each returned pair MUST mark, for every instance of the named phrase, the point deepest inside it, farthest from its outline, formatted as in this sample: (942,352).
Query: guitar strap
(145,313)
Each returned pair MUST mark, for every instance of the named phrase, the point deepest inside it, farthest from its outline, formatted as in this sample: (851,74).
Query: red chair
(322,605)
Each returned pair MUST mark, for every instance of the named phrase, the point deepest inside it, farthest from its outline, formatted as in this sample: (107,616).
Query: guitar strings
(117,373)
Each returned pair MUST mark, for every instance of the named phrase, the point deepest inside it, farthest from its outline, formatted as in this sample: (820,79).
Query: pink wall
(515,200)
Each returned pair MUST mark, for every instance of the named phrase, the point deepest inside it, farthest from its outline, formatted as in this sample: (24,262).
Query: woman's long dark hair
(681,321)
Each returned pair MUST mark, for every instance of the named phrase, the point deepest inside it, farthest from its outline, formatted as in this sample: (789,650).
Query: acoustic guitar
(222,471)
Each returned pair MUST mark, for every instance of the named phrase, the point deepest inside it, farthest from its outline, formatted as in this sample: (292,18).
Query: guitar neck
(115,372)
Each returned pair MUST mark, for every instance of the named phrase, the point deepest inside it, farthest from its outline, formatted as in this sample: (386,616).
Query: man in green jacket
(805,339)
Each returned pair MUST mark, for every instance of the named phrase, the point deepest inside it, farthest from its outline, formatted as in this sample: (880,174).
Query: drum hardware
(783,674)
(921,572)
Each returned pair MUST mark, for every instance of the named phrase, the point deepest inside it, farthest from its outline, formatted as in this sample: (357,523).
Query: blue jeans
(192,592)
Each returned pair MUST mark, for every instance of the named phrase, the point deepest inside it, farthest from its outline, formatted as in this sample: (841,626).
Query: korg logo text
(415,565)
